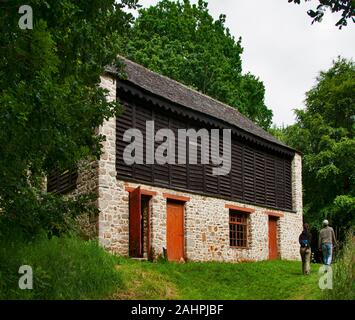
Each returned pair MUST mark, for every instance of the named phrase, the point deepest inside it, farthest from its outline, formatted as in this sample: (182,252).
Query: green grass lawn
(259,280)
(71,268)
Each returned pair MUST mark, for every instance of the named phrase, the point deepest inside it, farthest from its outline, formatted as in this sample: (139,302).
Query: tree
(183,42)
(324,132)
(50,101)
(345,7)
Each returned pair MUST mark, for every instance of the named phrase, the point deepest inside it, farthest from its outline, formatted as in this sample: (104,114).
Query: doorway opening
(273,238)
(139,224)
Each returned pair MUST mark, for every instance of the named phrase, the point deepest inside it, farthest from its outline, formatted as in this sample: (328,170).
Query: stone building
(184,211)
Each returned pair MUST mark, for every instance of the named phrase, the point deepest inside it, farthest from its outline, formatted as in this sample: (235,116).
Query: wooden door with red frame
(135,224)
(175,231)
(273,246)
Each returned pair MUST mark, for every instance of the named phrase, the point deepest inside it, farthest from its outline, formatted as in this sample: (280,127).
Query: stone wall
(206,218)
(207,228)
(112,201)
(87,183)
(292,227)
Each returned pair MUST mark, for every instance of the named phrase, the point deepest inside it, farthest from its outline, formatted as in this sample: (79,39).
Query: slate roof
(178,93)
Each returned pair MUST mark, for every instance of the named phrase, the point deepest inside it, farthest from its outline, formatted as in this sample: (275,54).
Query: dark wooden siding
(64,182)
(256,176)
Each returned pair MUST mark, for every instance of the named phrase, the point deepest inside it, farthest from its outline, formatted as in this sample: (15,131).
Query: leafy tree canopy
(324,132)
(345,7)
(183,42)
(50,101)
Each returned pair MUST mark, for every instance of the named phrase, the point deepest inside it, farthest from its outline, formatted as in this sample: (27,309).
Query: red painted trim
(135,230)
(176,197)
(148,231)
(237,208)
(144,192)
(274,214)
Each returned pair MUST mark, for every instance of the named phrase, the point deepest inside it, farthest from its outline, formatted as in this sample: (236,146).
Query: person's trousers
(327,250)
(306,260)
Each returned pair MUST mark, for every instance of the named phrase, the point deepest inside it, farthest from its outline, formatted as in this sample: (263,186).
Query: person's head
(325,223)
(305,227)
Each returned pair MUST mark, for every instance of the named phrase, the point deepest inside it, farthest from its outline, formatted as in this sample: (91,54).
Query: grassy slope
(261,280)
(70,268)
(63,268)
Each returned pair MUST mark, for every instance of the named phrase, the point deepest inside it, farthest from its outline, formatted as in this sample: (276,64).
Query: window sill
(236,247)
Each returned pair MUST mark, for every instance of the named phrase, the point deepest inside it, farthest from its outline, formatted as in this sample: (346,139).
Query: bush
(34,211)
(344,273)
(63,268)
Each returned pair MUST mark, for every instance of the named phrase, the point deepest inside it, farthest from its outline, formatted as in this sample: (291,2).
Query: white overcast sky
(282,48)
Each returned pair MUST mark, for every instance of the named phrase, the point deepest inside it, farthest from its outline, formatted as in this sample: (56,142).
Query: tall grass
(63,268)
(344,273)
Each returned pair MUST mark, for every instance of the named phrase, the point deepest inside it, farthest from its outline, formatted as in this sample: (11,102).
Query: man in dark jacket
(327,242)
(305,240)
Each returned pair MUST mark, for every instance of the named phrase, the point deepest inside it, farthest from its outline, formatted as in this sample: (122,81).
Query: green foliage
(344,273)
(63,268)
(345,7)
(44,212)
(324,132)
(183,42)
(278,132)
(50,101)
(342,211)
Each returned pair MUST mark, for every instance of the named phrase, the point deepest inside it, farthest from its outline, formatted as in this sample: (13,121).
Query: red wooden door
(175,231)
(273,252)
(135,223)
